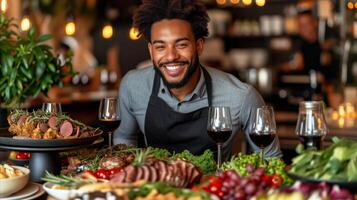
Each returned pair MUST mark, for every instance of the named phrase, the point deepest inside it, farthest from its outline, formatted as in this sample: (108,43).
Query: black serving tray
(7,139)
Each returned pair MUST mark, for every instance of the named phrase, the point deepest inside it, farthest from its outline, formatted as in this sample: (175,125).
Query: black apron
(174,131)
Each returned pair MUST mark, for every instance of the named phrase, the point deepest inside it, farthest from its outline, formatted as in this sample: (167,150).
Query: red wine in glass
(219,128)
(262,140)
(109,125)
(108,115)
(263,129)
(312,141)
(219,136)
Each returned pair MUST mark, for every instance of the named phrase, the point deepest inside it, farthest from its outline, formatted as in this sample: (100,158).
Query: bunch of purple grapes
(235,187)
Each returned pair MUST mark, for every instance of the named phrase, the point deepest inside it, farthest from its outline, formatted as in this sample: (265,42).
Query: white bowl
(9,186)
(62,194)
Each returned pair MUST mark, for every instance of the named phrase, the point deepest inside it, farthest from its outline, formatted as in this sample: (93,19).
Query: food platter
(352,186)
(7,139)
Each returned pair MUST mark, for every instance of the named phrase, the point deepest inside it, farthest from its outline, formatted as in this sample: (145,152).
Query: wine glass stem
(110,134)
(262,156)
(219,159)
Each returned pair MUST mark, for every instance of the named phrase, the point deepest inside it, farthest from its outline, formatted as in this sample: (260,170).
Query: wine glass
(263,129)
(109,116)
(219,127)
(311,125)
(52,107)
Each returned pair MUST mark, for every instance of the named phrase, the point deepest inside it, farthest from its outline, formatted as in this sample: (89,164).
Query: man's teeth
(172,67)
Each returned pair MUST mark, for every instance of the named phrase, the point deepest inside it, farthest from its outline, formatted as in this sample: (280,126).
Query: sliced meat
(182,165)
(130,174)
(22,120)
(66,129)
(118,177)
(84,134)
(52,122)
(162,168)
(153,173)
(43,127)
(170,173)
(139,173)
(189,173)
(146,173)
(196,176)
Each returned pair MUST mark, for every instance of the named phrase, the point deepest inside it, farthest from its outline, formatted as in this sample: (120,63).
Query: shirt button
(179,104)
(163,91)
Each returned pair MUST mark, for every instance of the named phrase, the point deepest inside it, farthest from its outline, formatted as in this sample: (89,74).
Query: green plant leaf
(40,68)
(31,33)
(51,67)
(43,38)
(27,73)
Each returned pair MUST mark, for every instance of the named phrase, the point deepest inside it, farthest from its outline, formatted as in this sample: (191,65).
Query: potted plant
(27,65)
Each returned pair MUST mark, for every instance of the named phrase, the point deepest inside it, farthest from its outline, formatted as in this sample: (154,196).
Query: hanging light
(260,3)
(3,5)
(350,5)
(235,1)
(25,23)
(221,2)
(133,33)
(107,31)
(247,2)
(70,27)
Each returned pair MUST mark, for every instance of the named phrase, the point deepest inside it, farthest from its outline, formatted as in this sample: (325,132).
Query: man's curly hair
(151,11)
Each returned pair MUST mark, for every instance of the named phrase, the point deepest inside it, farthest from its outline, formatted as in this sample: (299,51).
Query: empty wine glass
(263,129)
(109,116)
(219,127)
(52,107)
(311,125)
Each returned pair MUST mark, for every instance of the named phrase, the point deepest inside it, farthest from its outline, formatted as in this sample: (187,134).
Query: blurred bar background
(254,40)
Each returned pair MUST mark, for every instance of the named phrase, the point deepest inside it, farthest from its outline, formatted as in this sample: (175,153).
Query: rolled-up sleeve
(252,101)
(126,133)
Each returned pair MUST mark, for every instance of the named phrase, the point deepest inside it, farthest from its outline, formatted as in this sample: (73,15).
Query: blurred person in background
(312,56)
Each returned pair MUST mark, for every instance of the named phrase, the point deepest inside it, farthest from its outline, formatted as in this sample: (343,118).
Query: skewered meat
(43,125)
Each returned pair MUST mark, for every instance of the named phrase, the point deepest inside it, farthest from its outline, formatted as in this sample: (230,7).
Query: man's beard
(191,70)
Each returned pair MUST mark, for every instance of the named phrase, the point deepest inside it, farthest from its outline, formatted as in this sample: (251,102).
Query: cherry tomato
(213,184)
(102,173)
(22,155)
(267,179)
(276,180)
(115,171)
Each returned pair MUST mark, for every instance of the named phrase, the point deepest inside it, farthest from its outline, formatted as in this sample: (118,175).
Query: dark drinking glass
(311,125)
(264,129)
(52,107)
(219,128)
(109,116)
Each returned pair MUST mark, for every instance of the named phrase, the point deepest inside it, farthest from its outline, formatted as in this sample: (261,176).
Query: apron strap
(208,82)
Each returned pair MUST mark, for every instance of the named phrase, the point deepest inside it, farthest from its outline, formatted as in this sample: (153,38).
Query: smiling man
(169,101)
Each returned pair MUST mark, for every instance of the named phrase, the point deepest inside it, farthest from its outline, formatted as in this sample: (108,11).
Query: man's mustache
(176,62)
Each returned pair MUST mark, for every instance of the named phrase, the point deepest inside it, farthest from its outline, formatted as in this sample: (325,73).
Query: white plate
(28,190)
(39,193)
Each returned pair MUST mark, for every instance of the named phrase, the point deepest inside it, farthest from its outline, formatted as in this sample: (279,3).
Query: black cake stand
(45,153)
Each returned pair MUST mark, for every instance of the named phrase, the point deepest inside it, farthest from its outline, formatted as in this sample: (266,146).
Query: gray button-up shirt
(227,90)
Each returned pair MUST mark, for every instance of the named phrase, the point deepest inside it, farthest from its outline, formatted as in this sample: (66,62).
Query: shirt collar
(199,91)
